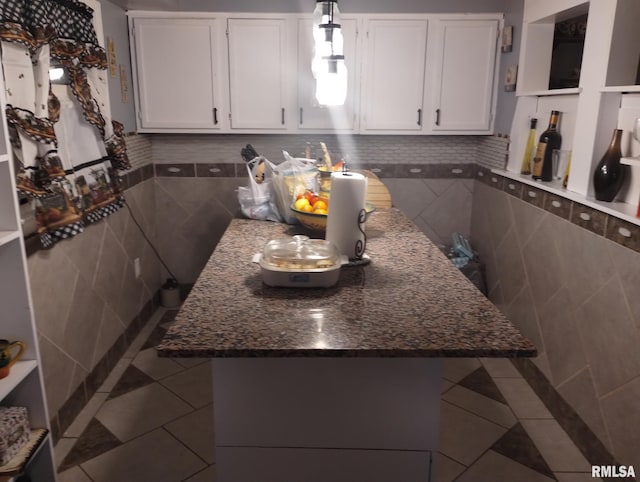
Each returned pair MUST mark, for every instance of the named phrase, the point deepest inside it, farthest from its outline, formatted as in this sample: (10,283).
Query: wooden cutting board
(377,192)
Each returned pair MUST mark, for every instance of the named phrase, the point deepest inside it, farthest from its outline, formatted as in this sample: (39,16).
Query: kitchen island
(334,384)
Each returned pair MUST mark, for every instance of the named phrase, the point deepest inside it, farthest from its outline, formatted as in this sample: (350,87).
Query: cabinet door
(176,71)
(463,94)
(310,114)
(257,73)
(394,75)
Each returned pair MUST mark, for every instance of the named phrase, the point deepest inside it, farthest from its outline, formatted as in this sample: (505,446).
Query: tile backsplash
(359,149)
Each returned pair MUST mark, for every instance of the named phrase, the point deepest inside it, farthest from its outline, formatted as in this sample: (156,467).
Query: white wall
(114,24)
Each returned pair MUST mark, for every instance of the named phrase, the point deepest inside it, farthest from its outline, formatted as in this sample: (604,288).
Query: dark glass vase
(610,174)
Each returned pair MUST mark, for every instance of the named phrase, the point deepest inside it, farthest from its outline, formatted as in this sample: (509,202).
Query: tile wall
(570,284)
(429,177)
(88,304)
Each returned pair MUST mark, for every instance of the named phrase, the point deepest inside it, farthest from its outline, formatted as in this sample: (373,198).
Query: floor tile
(86,415)
(447,469)
(555,446)
(167,317)
(131,379)
(155,337)
(493,467)
(191,362)
(74,474)
(446,385)
(455,369)
(95,440)
(500,368)
(195,430)
(480,405)
(517,445)
(521,398)
(576,477)
(193,385)
(140,411)
(142,337)
(480,381)
(207,475)
(464,436)
(150,363)
(169,461)
(115,375)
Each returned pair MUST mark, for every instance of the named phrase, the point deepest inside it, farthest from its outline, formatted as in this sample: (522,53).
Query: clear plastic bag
(293,176)
(257,200)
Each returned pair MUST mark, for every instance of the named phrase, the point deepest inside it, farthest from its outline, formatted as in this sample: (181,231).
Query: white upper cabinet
(258,78)
(310,114)
(464,75)
(243,72)
(394,69)
(178,71)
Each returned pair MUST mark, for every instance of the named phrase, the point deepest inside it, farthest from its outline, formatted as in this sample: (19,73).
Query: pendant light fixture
(328,65)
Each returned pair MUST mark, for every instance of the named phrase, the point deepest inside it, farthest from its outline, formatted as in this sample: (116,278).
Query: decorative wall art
(507,39)
(65,144)
(510,78)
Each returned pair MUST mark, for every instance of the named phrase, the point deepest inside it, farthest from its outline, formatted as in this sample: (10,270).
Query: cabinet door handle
(300,115)
(215,115)
(283,116)
(419,117)
(437,117)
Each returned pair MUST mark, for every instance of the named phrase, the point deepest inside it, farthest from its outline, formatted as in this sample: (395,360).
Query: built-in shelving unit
(23,386)
(607,96)
(618,209)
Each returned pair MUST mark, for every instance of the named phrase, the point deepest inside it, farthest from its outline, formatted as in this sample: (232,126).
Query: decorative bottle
(610,174)
(550,139)
(528,151)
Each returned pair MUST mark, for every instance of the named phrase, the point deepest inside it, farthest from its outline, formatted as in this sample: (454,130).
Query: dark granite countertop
(410,301)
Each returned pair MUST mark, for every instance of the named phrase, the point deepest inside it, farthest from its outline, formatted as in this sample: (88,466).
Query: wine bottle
(549,140)
(528,150)
(609,174)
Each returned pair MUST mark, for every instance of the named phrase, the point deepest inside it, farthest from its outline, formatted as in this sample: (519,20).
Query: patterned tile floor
(152,421)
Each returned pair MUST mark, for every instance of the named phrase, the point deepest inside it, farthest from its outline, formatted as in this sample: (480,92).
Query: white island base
(326,419)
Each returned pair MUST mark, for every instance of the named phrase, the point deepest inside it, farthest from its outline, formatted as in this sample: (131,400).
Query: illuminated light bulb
(331,83)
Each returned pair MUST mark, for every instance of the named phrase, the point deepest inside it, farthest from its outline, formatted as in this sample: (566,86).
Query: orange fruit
(320,211)
(319,204)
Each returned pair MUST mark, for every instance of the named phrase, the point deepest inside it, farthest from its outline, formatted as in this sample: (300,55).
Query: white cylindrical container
(170,294)
(345,220)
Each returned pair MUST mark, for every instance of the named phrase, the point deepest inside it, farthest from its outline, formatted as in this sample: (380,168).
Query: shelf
(17,465)
(8,236)
(624,211)
(630,161)
(546,93)
(622,88)
(19,372)
(4,157)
